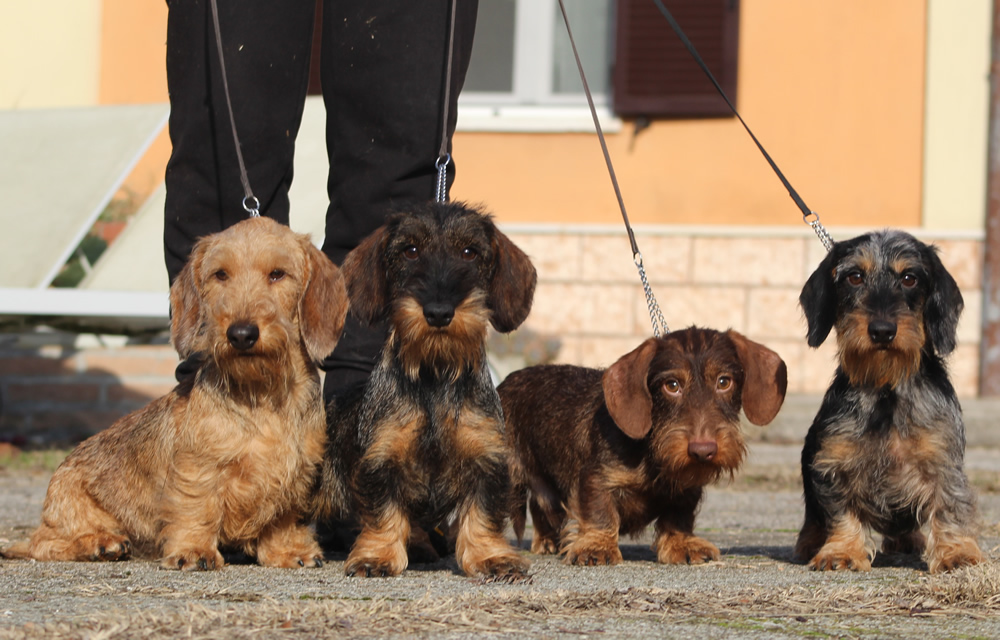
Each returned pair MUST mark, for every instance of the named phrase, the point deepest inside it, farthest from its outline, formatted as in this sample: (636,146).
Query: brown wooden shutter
(655,76)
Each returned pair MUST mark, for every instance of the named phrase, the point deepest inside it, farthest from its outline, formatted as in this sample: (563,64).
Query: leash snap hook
(441,164)
(252,206)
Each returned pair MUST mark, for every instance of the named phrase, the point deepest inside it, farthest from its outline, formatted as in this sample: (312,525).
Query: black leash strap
(809,216)
(655,314)
(250,202)
(443,156)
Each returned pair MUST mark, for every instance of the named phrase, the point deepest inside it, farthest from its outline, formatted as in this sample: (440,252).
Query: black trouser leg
(383,73)
(266,46)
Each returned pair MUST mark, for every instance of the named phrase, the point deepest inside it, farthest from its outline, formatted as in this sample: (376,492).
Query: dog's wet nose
(881,331)
(438,314)
(243,336)
(703,450)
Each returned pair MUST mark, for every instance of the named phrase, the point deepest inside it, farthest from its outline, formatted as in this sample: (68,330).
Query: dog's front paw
(684,549)
(840,560)
(592,556)
(106,547)
(544,546)
(372,567)
(504,568)
(293,560)
(952,555)
(194,560)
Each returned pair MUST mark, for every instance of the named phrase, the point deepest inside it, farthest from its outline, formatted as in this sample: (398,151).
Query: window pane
(591,23)
(491,68)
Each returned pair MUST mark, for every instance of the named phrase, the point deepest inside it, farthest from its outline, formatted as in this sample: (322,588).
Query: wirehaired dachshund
(229,457)
(885,452)
(617,449)
(424,439)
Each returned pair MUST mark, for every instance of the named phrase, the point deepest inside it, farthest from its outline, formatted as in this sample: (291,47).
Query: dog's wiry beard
(868,364)
(446,351)
(255,377)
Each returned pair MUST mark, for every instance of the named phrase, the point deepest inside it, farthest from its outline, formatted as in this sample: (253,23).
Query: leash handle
(250,202)
(809,216)
(444,158)
(655,314)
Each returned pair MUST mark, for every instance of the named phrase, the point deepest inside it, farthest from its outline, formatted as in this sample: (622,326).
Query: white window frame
(532,105)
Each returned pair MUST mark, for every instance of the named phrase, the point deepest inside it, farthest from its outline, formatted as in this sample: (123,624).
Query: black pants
(383,68)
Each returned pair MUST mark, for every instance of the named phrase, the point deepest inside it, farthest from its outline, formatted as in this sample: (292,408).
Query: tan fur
(845,548)
(448,350)
(865,364)
(480,550)
(380,549)
(228,461)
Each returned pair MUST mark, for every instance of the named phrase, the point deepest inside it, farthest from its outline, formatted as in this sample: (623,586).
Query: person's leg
(267,49)
(383,77)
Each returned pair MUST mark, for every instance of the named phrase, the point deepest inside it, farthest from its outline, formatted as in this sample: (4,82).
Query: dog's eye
(276,275)
(855,278)
(909,280)
(724,383)
(469,254)
(221,275)
(672,386)
(411,252)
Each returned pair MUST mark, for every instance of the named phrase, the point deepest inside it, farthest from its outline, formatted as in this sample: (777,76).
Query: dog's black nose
(703,450)
(881,331)
(438,314)
(243,336)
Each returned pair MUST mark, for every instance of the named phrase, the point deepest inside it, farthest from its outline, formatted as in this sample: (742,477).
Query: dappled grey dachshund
(886,448)
(424,439)
(616,449)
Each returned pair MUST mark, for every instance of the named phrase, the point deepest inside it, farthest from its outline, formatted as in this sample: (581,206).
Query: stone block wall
(60,387)
(590,297)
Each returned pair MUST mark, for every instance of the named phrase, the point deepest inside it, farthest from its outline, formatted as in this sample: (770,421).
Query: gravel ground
(754,592)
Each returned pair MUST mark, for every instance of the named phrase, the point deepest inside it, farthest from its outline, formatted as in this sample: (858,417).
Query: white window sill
(520,119)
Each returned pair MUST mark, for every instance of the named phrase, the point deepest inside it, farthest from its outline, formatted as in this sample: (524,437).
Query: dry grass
(970,593)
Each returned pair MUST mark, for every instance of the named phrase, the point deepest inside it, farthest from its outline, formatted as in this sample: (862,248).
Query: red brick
(124,363)
(53,393)
(29,365)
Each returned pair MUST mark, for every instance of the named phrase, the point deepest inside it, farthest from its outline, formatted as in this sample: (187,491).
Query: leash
(809,216)
(656,318)
(250,202)
(441,195)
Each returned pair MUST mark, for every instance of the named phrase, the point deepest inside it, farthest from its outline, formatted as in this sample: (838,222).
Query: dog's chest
(884,449)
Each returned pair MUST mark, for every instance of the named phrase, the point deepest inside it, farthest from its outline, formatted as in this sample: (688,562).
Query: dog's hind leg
(548,528)
(289,545)
(74,527)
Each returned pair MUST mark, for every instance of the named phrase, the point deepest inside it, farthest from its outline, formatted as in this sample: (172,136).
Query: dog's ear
(323,306)
(364,274)
(626,392)
(765,379)
(819,300)
(185,304)
(944,305)
(512,287)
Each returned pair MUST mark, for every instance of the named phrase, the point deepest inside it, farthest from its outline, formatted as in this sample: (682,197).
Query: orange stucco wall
(133,70)
(834,90)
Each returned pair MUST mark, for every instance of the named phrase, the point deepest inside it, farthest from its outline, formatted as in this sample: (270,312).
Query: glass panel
(491,68)
(591,22)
